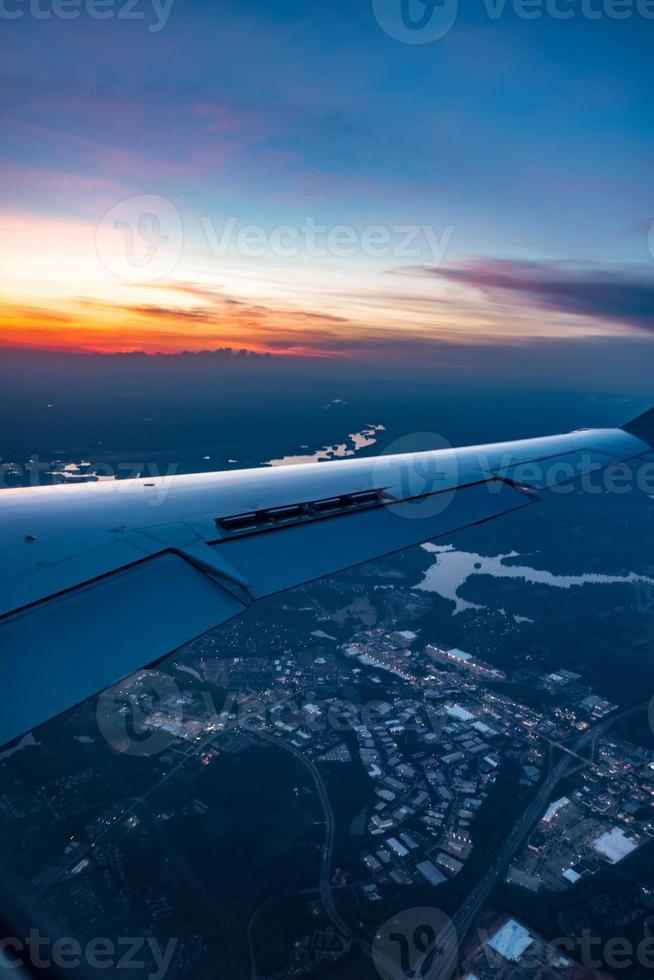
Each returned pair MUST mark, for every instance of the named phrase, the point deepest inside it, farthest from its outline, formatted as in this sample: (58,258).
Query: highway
(468,912)
(327,851)
(465,916)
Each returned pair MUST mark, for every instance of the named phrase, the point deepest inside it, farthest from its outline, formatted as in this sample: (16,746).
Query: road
(465,916)
(325,886)
(467,913)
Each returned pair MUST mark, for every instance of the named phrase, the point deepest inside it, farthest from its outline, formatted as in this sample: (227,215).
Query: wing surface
(99,580)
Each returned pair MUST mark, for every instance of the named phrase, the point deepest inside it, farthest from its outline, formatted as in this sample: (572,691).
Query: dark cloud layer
(623,295)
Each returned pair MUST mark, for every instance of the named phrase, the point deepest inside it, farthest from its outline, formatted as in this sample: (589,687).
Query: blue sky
(514,140)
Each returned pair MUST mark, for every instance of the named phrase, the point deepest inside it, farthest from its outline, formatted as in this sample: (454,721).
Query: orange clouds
(107,328)
(57,293)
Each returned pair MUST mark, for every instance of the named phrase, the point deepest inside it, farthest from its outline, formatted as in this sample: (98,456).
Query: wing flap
(273,561)
(59,652)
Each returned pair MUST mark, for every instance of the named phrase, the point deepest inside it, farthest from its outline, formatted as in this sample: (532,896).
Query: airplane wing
(98,580)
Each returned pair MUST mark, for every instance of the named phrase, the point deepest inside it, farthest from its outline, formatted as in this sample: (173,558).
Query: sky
(328,178)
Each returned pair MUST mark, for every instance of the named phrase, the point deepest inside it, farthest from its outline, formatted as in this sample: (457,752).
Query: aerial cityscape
(338,742)
(326,490)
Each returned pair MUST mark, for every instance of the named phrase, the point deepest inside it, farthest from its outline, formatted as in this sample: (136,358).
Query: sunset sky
(322,187)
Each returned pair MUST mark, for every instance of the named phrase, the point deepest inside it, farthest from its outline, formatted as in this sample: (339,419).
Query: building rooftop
(395,846)
(554,808)
(615,845)
(511,941)
(461,714)
(430,872)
